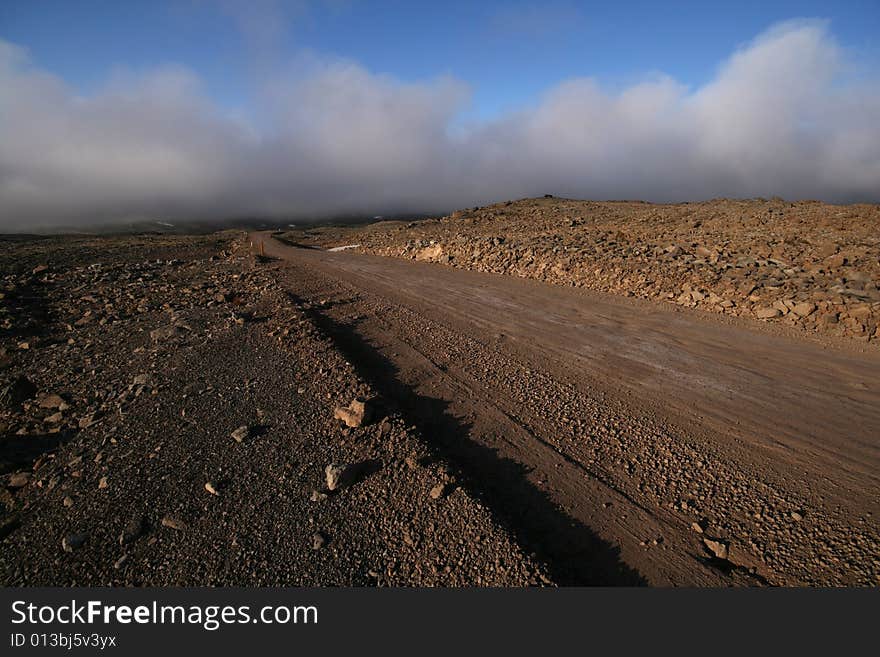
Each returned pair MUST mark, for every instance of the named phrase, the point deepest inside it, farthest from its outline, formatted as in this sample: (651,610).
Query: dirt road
(606,431)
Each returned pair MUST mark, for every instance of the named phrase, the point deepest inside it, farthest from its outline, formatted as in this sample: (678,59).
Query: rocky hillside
(807,264)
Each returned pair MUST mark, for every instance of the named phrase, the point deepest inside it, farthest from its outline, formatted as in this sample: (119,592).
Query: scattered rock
(836,261)
(55,418)
(430,253)
(803,309)
(337,476)
(53,402)
(355,414)
(173,523)
(763,312)
(438,491)
(730,260)
(165,333)
(241,434)
(19,479)
(86,421)
(318,540)
(718,548)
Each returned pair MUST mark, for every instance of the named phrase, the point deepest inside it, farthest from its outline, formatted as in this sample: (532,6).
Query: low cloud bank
(785,115)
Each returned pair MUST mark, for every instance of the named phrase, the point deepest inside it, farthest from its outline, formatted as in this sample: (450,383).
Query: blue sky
(508,53)
(204,108)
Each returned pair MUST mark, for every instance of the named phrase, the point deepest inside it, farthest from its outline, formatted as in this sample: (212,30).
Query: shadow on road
(571,552)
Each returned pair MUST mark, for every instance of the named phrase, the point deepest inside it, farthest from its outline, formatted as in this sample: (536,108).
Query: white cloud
(779,118)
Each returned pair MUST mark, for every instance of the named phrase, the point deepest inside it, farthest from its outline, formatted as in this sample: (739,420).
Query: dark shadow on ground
(20,452)
(29,307)
(571,552)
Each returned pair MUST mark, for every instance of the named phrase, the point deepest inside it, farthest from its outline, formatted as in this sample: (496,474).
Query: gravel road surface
(599,428)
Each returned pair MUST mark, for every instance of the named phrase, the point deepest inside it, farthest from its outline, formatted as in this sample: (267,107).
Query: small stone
(73,542)
(703,252)
(803,309)
(211,488)
(797,517)
(52,401)
(103,483)
(438,491)
(165,333)
(717,547)
(318,540)
(317,496)
(346,415)
(173,523)
(67,501)
(764,312)
(828,319)
(697,527)
(360,407)
(241,434)
(55,418)
(19,480)
(335,476)
(836,261)
(355,414)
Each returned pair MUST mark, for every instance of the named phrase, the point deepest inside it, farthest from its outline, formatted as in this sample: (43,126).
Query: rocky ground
(179,410)
(620,440)
(172,414)
(807,265)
